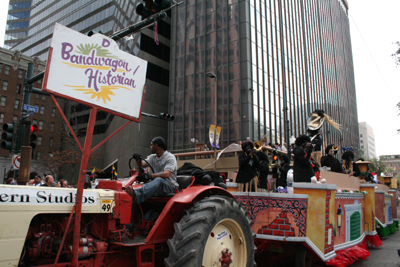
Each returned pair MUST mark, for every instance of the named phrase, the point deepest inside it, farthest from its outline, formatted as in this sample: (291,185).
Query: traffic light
(7,136)
(33,137)
(166,116)
(151,7)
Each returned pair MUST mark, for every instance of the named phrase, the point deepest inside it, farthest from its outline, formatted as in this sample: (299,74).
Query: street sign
(16,162)
(28,113)
(31,108)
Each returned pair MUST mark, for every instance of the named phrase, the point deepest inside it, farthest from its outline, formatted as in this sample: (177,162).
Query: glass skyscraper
(80,15)
(17,22)
(275,62)
(107,16)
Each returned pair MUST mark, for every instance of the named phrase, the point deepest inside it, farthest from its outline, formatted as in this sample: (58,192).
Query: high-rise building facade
(108,17)
(392,162)
(17,22)
(274,61)
(13,67)
(367,140)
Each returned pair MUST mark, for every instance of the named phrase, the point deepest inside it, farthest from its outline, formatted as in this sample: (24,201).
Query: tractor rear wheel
(214,232)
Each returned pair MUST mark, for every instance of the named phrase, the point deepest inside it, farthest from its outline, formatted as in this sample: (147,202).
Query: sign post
(104,78)
(25,168)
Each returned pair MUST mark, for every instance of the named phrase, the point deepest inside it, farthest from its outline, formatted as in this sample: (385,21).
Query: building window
(39,140)
(37,95)
(53,113)
(20,74)
(361,135)
(7,69)
(15,118)
(41,109)
(43,97)
(3,100)
(52,127)
(18,89)
(362,141)
(40,126)
(5,85)
(1,117)
(38,155)
(1,67)
(34,122)
(16,105)
(51,141)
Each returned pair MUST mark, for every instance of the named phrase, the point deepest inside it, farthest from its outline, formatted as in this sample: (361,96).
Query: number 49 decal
(106,205)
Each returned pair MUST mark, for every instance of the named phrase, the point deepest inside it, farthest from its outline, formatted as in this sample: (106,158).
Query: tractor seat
(184,181)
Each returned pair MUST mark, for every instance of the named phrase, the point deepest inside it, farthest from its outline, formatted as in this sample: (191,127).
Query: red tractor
(196,226)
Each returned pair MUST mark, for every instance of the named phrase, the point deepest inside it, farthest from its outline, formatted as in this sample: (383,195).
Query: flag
(92,174)
(212,135)
(113,173)
(217,135)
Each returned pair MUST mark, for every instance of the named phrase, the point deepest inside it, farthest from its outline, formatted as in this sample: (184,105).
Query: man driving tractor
(162,180)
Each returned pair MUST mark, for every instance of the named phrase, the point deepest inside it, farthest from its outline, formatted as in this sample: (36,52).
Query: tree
(63,158)
(377,166)
(396,57)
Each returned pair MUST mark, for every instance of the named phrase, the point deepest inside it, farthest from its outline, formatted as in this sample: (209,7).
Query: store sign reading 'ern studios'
(93,70)
(44,196)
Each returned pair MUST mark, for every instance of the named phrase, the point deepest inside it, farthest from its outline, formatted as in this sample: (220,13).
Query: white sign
(93,70)
(31,108)
(16,162)
(222,235)
(43,196)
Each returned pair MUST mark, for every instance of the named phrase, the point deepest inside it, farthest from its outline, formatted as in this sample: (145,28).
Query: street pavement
(386,255)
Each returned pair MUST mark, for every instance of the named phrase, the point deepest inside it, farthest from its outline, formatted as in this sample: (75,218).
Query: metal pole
(215,120)
(26,100)
(25,165)
(213,76)
(81,181)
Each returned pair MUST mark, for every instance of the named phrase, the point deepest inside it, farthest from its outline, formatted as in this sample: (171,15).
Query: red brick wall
(280,227)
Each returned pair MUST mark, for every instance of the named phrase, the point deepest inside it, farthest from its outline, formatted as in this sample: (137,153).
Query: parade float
(334,221)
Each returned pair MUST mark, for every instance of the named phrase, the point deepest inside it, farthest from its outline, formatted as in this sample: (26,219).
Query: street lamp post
(213,76)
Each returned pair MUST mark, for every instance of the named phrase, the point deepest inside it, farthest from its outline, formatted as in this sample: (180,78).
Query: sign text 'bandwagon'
(93,70)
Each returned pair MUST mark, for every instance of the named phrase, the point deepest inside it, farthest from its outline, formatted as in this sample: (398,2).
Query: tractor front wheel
(214,232)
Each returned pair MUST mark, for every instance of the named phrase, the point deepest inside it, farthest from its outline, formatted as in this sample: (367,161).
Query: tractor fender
(174,210)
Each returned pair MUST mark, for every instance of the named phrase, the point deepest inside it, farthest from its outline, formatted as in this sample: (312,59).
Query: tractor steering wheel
(140,167)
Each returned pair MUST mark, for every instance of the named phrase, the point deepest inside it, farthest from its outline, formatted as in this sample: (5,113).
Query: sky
(374,28)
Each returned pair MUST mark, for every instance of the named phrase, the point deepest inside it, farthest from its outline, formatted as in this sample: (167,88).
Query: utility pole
(213,76)
(22,144)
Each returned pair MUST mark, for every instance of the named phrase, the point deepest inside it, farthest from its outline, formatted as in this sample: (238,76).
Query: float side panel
(316,215)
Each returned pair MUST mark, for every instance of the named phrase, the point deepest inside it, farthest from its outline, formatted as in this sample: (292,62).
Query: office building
(274,61)
(13,67)
(367,141)
(17,22)
(108,17)
(393,162)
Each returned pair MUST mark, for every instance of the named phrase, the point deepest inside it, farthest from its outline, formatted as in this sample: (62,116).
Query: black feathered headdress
(302,140)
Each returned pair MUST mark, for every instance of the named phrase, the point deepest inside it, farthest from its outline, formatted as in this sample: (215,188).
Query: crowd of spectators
(36,180)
